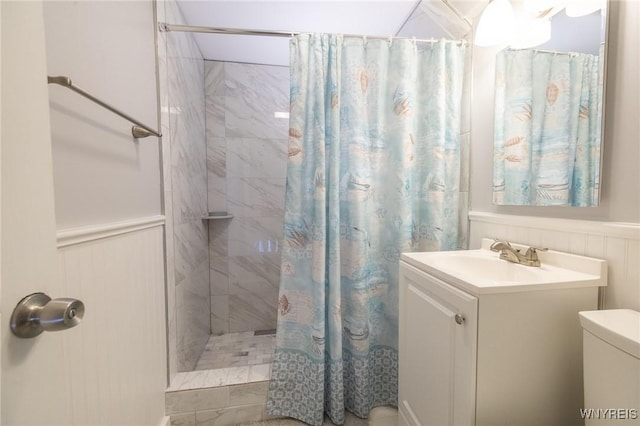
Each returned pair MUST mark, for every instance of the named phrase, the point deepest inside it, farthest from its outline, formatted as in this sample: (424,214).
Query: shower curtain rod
(164,27)
(555,52)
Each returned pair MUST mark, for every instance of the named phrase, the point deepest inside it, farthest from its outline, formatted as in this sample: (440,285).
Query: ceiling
(407,18)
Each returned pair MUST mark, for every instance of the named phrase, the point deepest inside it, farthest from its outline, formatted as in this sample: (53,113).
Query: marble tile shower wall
(246,164)
(185,182)
(465,153)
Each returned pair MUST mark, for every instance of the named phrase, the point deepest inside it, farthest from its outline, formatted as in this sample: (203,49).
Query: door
(438,334)
(33,386)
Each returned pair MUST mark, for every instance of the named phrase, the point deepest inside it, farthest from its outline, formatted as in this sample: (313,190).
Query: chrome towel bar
(138,131)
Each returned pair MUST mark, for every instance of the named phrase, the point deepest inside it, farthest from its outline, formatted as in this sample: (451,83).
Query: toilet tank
(611,357)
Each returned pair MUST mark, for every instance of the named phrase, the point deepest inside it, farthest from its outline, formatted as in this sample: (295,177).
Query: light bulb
(531,32)
(497,24)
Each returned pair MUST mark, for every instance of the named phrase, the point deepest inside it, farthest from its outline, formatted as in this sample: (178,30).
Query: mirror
(549,115)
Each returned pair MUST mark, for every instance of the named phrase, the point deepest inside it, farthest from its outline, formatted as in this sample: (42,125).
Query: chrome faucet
(507,252)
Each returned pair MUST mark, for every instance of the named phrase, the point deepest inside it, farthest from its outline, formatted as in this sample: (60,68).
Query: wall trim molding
(84,234)
(629,231)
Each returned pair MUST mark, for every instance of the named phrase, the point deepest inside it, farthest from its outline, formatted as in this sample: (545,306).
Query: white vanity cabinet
(437,335)
(489,355)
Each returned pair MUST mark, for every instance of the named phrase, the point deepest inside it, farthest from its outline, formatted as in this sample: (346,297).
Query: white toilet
(611,354)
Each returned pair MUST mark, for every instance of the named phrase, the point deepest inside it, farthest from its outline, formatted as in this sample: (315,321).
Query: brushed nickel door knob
(37,313)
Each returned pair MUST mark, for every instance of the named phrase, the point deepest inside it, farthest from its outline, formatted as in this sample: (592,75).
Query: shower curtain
(548,121)
(373,171)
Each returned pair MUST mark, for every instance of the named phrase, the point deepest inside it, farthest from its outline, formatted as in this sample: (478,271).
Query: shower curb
(203,398)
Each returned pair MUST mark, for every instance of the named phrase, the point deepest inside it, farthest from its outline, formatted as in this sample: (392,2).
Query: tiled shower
(247,129)
(225,156)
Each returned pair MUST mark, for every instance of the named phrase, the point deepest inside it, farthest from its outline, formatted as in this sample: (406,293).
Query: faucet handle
(532,252)
(499,244)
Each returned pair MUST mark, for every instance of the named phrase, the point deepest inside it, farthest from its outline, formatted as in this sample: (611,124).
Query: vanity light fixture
(533,26)
(530,32)
(526,25)
(543,8)
(497,24)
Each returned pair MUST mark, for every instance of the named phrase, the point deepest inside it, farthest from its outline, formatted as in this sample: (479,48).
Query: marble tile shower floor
(237,350)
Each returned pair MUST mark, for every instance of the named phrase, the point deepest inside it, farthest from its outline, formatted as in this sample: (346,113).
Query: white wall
(101,174)
(610,231)
(620,173)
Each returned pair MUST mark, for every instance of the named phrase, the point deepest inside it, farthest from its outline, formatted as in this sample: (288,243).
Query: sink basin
(481,271)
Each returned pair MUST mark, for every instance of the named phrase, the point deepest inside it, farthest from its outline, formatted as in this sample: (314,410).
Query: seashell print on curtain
(373,171)
(547,138)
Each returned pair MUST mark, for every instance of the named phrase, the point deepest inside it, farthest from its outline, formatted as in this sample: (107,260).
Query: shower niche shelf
(217,216)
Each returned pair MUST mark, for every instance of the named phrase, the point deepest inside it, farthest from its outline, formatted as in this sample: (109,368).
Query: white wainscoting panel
(83,234)
(117,354)
(618,243)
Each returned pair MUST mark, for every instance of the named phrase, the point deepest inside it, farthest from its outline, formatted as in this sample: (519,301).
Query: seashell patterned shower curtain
(373,171)
(548,118)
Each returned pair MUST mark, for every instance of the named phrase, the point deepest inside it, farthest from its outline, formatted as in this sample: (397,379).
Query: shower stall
(225,152)
(246,135)
(224,168)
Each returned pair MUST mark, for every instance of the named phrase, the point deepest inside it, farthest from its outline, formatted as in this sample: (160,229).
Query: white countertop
(482,272)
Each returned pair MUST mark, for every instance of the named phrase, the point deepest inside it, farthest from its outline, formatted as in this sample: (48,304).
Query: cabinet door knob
(459,318)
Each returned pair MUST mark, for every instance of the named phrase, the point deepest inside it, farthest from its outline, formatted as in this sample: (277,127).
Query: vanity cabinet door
(437,344)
